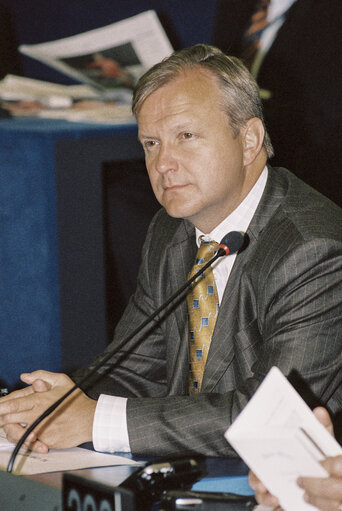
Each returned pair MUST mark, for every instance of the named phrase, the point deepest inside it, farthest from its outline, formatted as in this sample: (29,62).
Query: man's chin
(178,212)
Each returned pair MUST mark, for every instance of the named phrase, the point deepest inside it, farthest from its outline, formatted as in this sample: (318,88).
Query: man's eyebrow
(141,137)
(184,126)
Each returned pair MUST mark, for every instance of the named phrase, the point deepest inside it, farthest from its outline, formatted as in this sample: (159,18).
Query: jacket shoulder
(313,214)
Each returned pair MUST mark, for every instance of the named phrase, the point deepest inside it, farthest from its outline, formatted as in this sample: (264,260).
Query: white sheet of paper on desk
(28,463)
(280,439)
(16,88)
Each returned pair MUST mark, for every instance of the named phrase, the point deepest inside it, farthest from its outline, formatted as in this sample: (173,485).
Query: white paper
(280,439)
(28,462)
(24,96)
(98,113)
(17,88)
(136,43)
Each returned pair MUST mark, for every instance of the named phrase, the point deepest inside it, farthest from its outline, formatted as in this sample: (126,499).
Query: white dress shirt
(110,432)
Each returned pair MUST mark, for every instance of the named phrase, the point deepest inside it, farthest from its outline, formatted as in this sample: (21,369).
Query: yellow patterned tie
(203,306)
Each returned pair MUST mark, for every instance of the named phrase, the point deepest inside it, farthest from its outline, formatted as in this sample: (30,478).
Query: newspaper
(26,97)
(22,88)
(111,58)
(280,439)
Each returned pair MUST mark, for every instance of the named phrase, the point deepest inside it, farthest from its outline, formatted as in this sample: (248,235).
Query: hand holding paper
(278,436)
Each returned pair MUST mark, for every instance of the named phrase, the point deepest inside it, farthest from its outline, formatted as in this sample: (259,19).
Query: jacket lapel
(181,255)
(221,351)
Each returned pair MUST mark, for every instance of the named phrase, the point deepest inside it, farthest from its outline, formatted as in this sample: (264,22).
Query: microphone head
(232,242)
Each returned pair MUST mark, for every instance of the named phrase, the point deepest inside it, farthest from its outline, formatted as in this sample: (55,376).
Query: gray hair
(240,92)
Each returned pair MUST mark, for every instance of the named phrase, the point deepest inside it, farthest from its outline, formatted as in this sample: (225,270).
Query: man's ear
(253,134)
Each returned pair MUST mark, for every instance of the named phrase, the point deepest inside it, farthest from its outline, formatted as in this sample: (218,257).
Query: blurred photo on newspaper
(110,59)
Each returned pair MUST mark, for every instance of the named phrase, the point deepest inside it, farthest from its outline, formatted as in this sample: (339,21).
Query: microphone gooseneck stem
(221,252)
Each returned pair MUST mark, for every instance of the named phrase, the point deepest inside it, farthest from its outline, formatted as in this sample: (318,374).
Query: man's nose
(166,159)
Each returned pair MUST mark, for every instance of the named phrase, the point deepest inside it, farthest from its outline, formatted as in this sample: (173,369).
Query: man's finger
(334,467)
(255,483)
(324,418)
(40,374)
(14,432)
(16,393)
(14,406)
(40,386)
(39,447)
(52,379)
(262,495)
(327,488)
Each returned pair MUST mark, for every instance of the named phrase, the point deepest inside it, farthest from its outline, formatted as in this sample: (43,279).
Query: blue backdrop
(30,310)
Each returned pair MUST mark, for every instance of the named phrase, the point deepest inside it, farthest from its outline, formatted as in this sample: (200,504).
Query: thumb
(324,418)
(40,386)
(334,466)
(45,376)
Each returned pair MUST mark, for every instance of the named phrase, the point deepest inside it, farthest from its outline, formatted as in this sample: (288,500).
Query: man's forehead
(191,79)
(188,91)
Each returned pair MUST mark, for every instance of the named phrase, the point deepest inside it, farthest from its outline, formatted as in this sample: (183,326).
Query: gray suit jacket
(282,306)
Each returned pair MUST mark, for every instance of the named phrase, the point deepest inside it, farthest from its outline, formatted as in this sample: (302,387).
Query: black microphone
(230,244)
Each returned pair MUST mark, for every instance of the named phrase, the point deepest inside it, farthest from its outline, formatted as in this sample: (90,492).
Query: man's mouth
(172,187)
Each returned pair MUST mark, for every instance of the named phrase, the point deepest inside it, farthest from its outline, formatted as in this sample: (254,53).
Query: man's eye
(149,144)
(187,135)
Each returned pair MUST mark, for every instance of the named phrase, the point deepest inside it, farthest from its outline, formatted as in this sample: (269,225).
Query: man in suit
(301,77)
(201,125)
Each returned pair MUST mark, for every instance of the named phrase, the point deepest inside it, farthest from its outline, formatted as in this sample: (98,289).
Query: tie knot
(206,251)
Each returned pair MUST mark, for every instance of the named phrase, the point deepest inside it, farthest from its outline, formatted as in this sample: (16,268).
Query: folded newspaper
(110,58)
(106,64)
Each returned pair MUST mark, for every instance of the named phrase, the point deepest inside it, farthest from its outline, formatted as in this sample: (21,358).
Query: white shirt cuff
(110,432)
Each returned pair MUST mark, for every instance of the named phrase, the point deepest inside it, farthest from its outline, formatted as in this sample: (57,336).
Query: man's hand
(262,495)
(14,431)
(309,484)
(325,493)
(68,426)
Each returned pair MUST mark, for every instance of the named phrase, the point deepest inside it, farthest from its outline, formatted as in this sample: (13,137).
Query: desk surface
(223,475)
(43,492)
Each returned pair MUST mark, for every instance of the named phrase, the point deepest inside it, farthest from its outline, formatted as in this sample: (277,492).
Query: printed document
(280,439)
(28,462)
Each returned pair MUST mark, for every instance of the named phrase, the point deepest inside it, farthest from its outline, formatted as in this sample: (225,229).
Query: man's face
(195,164)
